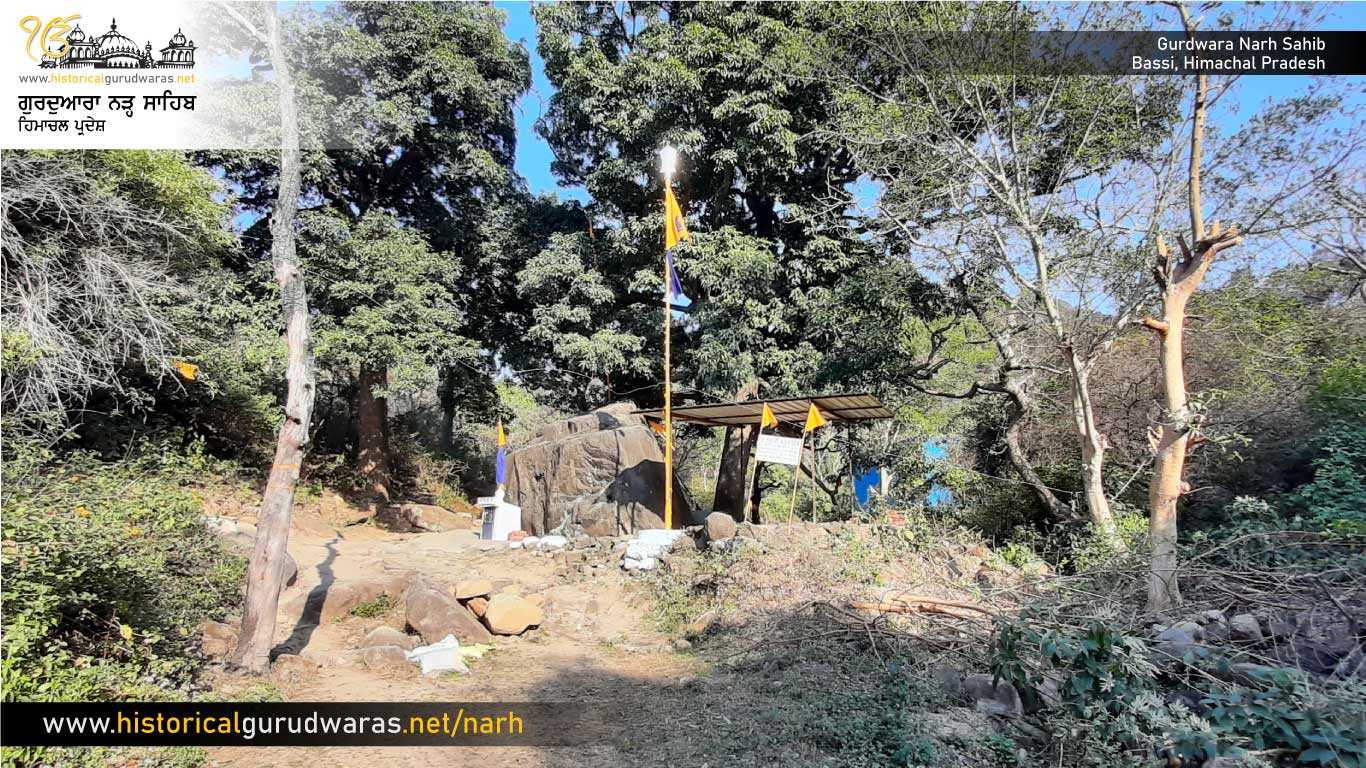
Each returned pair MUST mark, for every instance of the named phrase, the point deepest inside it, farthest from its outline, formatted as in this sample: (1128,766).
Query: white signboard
(776,449)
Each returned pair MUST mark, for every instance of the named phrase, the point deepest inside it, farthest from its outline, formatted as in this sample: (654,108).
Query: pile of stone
(471,614)
(644,550)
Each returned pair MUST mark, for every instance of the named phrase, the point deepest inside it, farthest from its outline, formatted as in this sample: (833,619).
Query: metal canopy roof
(790,410)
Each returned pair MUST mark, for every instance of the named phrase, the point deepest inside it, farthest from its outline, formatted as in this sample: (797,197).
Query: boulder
(385,657)
(464,590)
(720,525)
(511,615)
(217,639)
(603,470)
(477,605)
(433,613)
(381,636)
(1182,633)
(424,517)
(993,698)
(332,601)
(1244,628)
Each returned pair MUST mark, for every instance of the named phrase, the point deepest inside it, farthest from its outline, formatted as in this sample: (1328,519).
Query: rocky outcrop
(603,471)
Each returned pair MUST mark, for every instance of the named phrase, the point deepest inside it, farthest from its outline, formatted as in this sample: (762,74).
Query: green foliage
(1317,726)
(384,299)
(373,609)
(109,570)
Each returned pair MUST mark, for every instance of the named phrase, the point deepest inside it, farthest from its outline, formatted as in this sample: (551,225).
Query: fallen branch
(919,604)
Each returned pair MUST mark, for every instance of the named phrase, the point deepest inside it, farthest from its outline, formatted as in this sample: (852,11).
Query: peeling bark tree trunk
(1178,281)
(373,415)
(267,560)
(1093,447)
(735,454)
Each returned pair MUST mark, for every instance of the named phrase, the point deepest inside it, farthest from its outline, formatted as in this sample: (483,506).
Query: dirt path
(596,645)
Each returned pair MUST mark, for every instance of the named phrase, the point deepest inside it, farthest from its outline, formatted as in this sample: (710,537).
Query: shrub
(109,569)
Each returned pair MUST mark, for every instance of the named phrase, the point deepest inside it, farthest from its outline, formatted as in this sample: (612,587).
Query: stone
(464,590)
(410,516)
(290,665)
(603,470)
(1213,617)
(1244,628)
(433,613)
(720,525)
(384,657)
(991,578)
(950,680)
(993,698)
(1182,632)
(699,626)
(1216,632)
(553,542)
(477,605)
(332,601)
(643,552)
(381,636)
(511,615)
(217,639)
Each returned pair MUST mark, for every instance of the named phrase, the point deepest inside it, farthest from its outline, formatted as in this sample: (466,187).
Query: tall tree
(1307,146)
(266,571)
(420,130)
(1020,190)
(712,79)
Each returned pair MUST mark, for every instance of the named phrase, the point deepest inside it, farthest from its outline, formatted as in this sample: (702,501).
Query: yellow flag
(814,419)
(769,419)
(675,228)
(189,370)
(502,438)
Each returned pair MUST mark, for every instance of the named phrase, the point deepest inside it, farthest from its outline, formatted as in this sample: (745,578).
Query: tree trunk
(447,397)
(1178,282)
(1092,455)
(256,637)
(735,455)
(1169,465)
(373,413)
(1017,408)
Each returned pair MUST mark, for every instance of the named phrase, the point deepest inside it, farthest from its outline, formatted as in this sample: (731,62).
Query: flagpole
(668,163)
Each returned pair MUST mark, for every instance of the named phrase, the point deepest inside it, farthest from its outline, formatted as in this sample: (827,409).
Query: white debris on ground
(540,543)
(441,656)
(643,551)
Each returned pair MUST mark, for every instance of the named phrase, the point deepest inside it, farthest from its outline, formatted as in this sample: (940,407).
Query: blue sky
(533,154)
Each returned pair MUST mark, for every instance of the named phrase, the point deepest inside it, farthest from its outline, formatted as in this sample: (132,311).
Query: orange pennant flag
(189,370)
(657,426)
(769,420)
(675,227)
(814,419)
(502,438)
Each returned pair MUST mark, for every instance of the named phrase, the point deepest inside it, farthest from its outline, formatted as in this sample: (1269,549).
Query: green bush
(109,569)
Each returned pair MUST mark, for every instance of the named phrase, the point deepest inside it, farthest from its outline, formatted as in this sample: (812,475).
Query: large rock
(464,590)
(334,600)
(991,697)
(381,657)
(1244,628)
(511,615)
(381,636)
(720,525)
(433,613)
(410,516)
(217,639)
(603,470)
